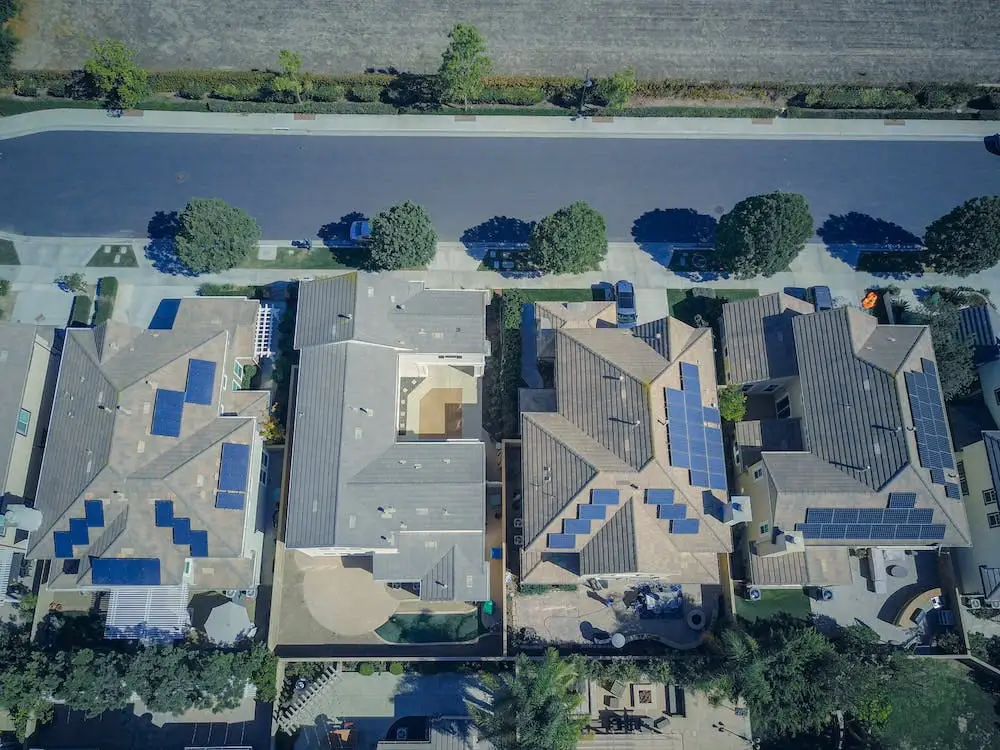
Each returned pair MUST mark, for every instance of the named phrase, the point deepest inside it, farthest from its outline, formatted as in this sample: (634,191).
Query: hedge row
(748,112)
(107,286)
(912,114)
(80,313)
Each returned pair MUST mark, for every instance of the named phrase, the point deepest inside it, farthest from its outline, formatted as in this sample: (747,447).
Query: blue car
(361,231)
(625,297)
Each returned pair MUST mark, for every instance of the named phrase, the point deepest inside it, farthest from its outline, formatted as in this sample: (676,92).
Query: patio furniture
(611,702)
(617,688)
(675,701)
(918,603)
(661,721)
(897,571)
(228,623)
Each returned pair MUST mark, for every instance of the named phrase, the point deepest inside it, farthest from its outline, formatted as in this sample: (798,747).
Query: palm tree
(532,706)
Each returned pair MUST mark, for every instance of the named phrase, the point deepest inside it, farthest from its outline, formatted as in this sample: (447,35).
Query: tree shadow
(336,235)
(846,236)
(162,231)
(500,232)
(670,234)
(891,264)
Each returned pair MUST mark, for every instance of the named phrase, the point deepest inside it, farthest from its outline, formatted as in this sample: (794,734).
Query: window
(264,463)
(765,527)
(23,421)
(990,497)
(238,370)
(963,480)
(993,519)
(783,409)
(236,384)
(771,388)
(758,473)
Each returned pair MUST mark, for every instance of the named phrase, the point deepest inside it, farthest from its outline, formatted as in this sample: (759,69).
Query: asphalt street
(111,184)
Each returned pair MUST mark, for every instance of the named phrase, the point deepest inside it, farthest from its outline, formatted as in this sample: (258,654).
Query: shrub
(4,287)
(843,97)
(327,93)
(230,290)
(26,88)
(365,93)
(107,287)
(80,312)
(60,89)
(396,668)
(366,669)
(103,308)
(519,95)
(193,90)
(231,92)
(319,108)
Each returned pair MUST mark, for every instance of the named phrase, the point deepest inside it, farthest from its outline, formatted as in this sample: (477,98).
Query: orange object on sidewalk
(869,301)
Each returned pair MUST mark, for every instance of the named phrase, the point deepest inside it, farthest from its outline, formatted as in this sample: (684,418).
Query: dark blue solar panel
(932,531)
(712,415)
(809,530)
(576,526)
(659,497)
(79,531)
(833,531)
(671,512)
(937,476)
(716,451)
(895,515)
(604,497)
(717,480)
(921,515)
(168,407)
(63,544)
(235,467)
(928,366)
(952,491)
(182,531)
(679,439)
(948,460)
(819,515)
(230,500)
(199,544)
(690,378)
(907,531)
(870,515)
(93,511)
(200,382)
(164,511)
(562,541)
(692,402)
(845,515)
(684,526)
(675,402)
(592,512)
(124,572)
(858,531)
(902,499)
(679,458)
(699,478)
(883,531)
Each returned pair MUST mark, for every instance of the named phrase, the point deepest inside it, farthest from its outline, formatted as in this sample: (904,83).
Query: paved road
(109,184)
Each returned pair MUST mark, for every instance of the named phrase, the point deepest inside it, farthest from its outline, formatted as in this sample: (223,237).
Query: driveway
(45,305)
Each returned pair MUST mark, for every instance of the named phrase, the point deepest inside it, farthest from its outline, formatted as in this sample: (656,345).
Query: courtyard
(439,403)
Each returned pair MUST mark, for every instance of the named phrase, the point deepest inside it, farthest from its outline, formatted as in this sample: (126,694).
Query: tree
(82,671)
(213,236)
(401,237)
(572,240)
(732,403)
(289,82)
(532,706)
(8,40)
(953,351)
(464,64)
(617,89)
(113,72)
(72,282)
(763,234)
(967,239)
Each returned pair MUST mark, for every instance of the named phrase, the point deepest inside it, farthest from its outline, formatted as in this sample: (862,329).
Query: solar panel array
(79,529)
(694,432)
(200,382)
(666,508)
(182,533)
(234,468)
(927,407)
(904,523)
(132,571)
(595,510)
(168,409)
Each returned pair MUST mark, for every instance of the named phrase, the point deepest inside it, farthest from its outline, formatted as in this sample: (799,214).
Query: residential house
(979,473)
(149,482)
(387,456)
(622,462)
(844,443)
(981,325)
(29,361)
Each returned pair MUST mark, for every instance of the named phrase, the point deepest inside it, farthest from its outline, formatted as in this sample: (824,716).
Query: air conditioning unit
(518,541)
(974,603)
(995,603)
(518,523)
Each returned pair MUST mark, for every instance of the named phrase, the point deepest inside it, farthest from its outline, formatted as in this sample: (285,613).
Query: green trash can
(488,607)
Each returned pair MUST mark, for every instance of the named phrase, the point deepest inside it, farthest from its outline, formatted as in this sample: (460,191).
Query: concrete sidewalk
(492,126)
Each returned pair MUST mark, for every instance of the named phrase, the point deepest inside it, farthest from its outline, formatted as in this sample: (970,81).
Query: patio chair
(617,688)
(611,701)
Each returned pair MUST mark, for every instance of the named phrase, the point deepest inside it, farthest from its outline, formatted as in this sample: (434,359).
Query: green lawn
(431,628)
(8,254)
(113,256)
(319,258)
(555,295)
(686,306)
(773,601)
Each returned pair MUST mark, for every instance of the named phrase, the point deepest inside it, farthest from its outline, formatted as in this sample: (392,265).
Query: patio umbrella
(227,623)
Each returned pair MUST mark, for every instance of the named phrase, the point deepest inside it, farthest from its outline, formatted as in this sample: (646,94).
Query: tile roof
(758,337)
(981,324)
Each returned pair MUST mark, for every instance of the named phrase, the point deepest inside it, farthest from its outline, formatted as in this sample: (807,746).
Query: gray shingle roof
(352,484)
(756,436)
(981,324)
(444,734)
(613,548)
(758,337)
(655,334)
(991,442)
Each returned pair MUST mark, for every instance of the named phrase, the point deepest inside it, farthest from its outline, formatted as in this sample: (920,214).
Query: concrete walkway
(492,126)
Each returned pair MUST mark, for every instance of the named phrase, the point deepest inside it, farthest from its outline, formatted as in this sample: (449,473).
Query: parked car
(361,231)
(992,143)
(625,297)
(604,292)
(821,297)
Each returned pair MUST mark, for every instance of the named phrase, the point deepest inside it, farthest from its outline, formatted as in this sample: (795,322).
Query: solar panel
(928,366)
(908,531)
(932,531)
(680,458)
(937,476)
(952,491)
(93,511)
(675,401)
(200,382)
(79,531)
(164,513)
(870,515)
(819,515)
(684,526)
(182,531)
(230,500)
(168,408)
(591,512)
(948,460)
(716,463)
(125,572)
(576,526)
(921,515)
(659,497)
(690,379)
(604,497)
(712,415)
(699,478)
(883,531)
(809,530)
(858,531)
(845,515)
(833,531)
(671,512)
(717,480)
(902,499)
(235,467)
(562,541)
(63,544)
(199,544)
(895,515)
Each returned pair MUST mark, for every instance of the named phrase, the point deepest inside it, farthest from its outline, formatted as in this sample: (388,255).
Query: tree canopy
(732,403)
(402,237)
(114,73)
(289,82)
(532,706)
(8,41)
(464,64)
(213,236)
(966,240)
(572,240)
(616,89)
(763,234)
